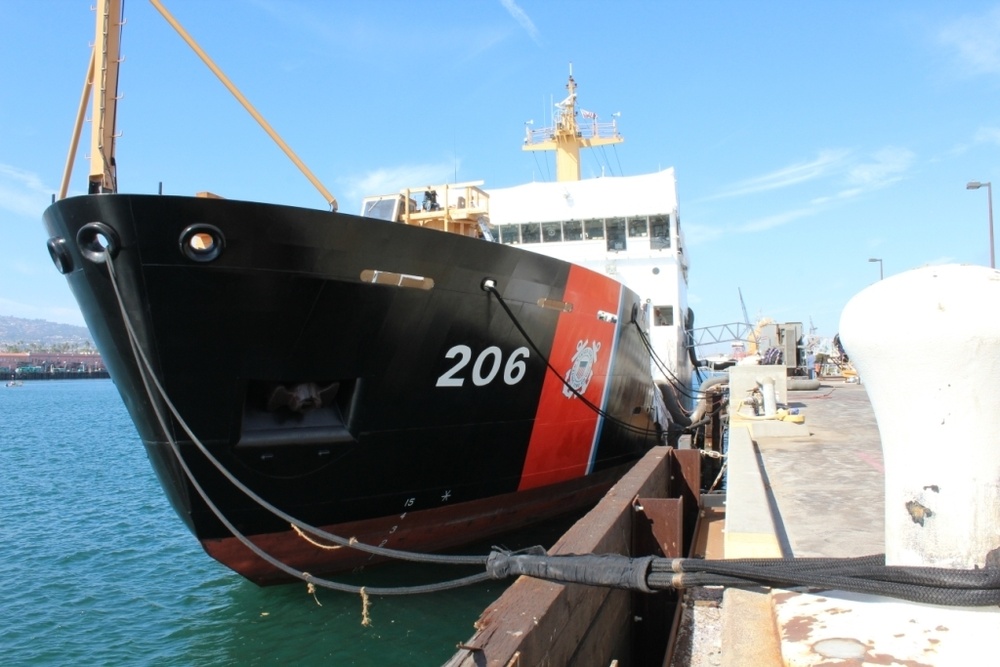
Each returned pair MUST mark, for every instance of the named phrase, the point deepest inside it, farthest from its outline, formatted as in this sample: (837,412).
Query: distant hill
(41,333)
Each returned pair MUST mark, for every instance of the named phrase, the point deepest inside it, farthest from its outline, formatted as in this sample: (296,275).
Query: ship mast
(107,58)
(567,137)
(103,73)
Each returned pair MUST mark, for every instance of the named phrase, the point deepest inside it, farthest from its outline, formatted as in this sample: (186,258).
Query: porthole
(656,270)
(60,254)
(98,241)
(202,243)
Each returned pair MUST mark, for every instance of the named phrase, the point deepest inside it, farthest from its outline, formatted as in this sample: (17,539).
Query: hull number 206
(485,368)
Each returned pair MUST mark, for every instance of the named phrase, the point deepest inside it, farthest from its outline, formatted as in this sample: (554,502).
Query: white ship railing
(587,130)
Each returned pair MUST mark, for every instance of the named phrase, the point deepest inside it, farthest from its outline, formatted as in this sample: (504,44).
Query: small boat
(15,383)
(417,377)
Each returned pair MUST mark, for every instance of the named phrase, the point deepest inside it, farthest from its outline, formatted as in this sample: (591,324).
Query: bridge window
(573,230)
(510,234)
(530,233)
(551,232)
(638,227)
(660,227)
(616,234)
(594,229)
(615,230)
(383,208)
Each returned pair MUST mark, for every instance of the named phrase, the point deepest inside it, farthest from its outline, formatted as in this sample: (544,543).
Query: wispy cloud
(521,17)
(975,41)
(394,179)
(695,234)
(984,135)
(777,220)
(22,192)
(879,170)
(987,135)
(885,167)
(794,174)
(845,174)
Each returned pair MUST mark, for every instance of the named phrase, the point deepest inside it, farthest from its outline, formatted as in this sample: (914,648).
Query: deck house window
(659,226)
(616,234)
(551,232)
(594,229)
(638,227)
(573,230)
(663,316)
(510,234)
(530,233)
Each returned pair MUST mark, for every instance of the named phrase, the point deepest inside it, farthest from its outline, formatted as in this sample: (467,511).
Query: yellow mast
(81,113)
(103,75)
(567,136)
(106,59)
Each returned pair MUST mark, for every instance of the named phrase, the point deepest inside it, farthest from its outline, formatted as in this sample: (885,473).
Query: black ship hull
(360,375)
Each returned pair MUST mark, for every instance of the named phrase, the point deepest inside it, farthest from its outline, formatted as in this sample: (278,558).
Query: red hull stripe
(564,438)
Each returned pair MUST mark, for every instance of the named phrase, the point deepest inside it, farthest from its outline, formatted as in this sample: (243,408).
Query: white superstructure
(626,227)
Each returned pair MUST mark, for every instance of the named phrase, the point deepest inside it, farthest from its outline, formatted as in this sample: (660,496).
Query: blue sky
(807,137)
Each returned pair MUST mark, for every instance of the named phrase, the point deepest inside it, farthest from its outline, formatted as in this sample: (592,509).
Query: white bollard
(927,345)
(767,392)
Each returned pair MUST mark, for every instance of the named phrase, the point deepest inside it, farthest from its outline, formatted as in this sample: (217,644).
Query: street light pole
(875,259)
(975,185)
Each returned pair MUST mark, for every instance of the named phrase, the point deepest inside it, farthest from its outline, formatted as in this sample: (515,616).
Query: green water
(98,570)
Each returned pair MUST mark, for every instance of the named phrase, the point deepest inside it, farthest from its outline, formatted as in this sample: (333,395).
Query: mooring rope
(149,377)
(867,574)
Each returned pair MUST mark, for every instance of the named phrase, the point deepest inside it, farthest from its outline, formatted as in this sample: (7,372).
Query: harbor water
(98,569)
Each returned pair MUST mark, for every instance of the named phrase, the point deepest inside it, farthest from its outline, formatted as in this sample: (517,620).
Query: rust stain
(838,610)
(918,512)
(886,659)
(798,628)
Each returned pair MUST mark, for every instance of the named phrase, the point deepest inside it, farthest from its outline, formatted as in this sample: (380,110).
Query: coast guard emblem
(578,377)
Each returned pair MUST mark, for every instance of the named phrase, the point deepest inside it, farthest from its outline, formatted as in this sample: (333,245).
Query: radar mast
(568,136)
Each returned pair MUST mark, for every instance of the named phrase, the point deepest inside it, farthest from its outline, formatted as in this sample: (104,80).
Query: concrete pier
(793,490)
(827,480)
(822,493)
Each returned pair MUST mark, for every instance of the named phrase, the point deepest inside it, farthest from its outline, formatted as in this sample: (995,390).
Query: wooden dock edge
(537,622)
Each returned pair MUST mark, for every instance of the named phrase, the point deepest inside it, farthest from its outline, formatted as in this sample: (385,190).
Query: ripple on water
(100,570)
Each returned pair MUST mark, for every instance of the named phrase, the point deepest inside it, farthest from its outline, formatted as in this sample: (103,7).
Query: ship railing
(590,129)
(451,207)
